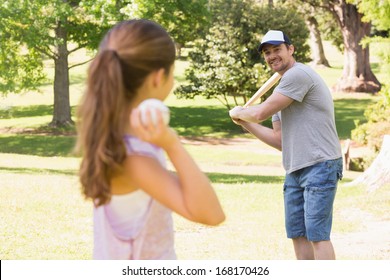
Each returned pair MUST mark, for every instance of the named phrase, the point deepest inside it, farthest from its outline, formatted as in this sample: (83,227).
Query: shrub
(378,122)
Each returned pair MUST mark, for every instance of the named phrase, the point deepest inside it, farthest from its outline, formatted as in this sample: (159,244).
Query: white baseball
(154,104)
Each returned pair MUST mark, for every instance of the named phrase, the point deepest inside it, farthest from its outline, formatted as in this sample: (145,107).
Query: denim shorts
(308,200)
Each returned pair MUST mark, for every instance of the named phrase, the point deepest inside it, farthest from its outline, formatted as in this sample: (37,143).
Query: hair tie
(115,53)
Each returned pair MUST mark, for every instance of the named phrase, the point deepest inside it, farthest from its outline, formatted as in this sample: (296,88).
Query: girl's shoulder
(136,146)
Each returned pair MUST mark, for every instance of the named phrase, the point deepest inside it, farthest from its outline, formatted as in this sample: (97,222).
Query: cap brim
(271,43)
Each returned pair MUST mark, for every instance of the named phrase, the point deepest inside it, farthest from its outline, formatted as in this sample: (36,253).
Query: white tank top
(134,205)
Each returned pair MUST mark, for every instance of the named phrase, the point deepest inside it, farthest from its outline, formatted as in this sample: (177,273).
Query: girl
(123,166)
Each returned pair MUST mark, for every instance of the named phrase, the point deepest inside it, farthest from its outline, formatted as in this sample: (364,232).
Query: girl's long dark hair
(128,53)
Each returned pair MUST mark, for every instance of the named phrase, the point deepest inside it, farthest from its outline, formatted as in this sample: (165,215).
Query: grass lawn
(44,216)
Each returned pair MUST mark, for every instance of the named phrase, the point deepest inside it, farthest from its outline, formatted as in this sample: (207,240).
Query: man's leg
(294,217)
(320,191)
(323,250)
(303,248)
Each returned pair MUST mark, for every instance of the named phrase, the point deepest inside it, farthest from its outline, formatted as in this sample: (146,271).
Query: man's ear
(291,49)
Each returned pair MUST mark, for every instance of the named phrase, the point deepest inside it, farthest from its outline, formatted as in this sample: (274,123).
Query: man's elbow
(278,142)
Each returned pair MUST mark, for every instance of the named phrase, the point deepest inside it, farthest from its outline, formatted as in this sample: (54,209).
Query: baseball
(154,104)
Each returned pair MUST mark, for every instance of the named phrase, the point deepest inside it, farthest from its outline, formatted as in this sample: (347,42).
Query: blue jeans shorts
(308,200)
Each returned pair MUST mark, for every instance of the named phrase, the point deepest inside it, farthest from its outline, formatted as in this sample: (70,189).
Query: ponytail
(102,116)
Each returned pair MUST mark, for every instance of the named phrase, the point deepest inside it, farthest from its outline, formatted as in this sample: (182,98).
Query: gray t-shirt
(308,125)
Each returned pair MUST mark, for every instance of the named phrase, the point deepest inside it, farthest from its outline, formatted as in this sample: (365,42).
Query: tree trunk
(357,73)
(378,174)
(61,111)
(317,49)
(179,48)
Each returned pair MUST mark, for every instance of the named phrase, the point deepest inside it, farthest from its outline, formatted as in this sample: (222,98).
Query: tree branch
(78,48)
(45,52)
(81,63)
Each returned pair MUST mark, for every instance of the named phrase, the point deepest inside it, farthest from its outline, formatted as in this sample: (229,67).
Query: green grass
(41,145)
(347,111)
(44,216)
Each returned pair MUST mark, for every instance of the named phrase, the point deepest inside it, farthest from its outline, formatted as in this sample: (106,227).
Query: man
(303,128)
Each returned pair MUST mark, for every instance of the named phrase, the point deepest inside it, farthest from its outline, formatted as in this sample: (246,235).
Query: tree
(357,73)
(185,20)
(226,62)
(330,29)
(310,15)
(33,31)
(317,48)
(378,174)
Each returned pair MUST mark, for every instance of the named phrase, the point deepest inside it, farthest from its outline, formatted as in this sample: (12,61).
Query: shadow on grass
(214,121)
(40,145)
(222,178)
(191,121)
(211,121)
(44,171)
(29,111)
(347,111)
(26,111)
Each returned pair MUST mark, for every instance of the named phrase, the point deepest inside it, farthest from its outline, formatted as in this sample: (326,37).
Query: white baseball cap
(274,37)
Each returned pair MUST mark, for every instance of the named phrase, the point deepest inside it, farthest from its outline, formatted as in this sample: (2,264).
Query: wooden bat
(263,89)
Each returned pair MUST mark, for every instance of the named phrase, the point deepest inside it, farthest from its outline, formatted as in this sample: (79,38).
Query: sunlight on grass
(253,212)
(227,155)
(38,162)
(43,217)
(29,122)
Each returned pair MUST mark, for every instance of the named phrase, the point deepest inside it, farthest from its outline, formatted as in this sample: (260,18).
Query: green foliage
(376,11)
(226,63)
(330,29)
(28,35)
(378,121)
(18,70)
(382,50)
(185,20)
(19,67)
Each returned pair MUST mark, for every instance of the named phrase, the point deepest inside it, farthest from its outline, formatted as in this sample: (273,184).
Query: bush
(378,122)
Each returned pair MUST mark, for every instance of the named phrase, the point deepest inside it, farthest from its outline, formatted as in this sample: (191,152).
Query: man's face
(279,57)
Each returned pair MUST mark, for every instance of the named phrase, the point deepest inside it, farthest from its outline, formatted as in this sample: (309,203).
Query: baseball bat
(263,89)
